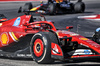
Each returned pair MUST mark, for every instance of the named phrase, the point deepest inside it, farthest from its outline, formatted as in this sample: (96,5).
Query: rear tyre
(27,7)
(79,7)
(72,7)
(52,9)
(41,47)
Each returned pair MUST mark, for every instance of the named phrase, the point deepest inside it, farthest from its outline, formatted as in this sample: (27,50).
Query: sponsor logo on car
(74,34)
(83,52)
(86,51)
(17,21)
(83,38)
(4,39)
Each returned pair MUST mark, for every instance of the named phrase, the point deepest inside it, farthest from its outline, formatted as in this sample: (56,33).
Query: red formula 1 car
(56,6)
(40,40)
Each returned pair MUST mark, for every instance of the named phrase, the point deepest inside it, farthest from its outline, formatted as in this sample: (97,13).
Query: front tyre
(79,7)
(96,37)
(41,48)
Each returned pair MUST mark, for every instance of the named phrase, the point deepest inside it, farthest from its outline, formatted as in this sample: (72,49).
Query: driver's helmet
(58,1)
(37,25)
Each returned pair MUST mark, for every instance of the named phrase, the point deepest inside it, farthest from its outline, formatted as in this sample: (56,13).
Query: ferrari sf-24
(24,37)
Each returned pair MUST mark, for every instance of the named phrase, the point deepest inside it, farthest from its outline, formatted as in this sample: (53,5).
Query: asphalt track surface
(81,26)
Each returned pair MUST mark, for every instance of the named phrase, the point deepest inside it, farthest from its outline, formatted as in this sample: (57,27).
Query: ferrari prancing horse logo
(4,39)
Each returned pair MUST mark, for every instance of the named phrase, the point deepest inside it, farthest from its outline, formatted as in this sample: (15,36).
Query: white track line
(92,16)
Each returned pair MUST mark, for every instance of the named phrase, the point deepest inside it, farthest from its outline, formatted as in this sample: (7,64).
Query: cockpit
(40,23)
(57,1)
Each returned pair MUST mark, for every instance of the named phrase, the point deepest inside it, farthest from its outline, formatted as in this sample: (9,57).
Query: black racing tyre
(41,47)
(52,9)
(72,7)
(27,7)
(96,37)
(79,7)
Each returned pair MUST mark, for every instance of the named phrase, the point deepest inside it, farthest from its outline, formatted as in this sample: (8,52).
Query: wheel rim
(38,48)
